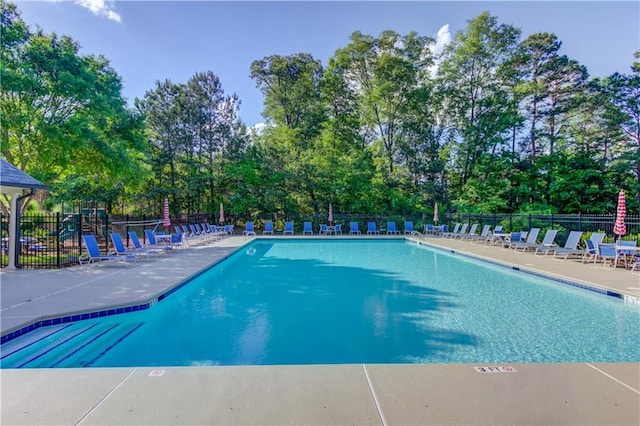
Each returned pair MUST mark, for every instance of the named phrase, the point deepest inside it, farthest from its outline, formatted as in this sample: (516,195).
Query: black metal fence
(54,240)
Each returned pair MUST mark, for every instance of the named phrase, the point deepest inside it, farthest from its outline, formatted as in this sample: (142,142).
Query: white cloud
(101,8)
(443,38)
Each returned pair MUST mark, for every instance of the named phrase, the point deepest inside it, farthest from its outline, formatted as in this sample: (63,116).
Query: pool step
(81,346)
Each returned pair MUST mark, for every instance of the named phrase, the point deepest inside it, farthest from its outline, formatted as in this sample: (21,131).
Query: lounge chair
(324,230)
(548,242)
(570,247)
(371,228)
(447,234)
(337,229)
(288,228)
(486,229)
(353,228)
(133,236)
(408,227)
(268,228)
(471,234)
(248,229)
(531,241)
(94,255)
(496,236)
(511,239)
(307,228)
(391,228)
(608,253)
(461,233)
(429,229)
(121,250)
(152,242)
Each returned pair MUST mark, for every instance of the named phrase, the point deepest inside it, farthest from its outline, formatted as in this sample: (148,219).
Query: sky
(149,41)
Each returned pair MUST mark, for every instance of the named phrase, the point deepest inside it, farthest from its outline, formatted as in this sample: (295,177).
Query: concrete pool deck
(399,394)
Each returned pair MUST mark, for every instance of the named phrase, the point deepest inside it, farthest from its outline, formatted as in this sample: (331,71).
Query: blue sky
(147,41)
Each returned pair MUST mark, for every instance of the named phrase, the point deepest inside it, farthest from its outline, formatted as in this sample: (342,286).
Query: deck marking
(106,396)
(613,378)
(495,369)
(375,397)
(156,373)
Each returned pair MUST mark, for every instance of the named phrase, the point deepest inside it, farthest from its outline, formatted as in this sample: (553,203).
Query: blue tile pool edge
(33,325)
(627,298)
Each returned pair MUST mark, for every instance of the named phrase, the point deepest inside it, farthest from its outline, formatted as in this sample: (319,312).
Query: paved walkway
(324,394)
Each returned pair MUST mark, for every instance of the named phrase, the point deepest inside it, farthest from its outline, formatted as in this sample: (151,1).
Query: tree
(63,113)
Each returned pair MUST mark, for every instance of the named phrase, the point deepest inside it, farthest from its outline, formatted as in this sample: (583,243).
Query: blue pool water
(348,301)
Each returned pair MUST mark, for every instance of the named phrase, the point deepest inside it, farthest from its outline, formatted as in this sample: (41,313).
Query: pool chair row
(324,229)
(123,253)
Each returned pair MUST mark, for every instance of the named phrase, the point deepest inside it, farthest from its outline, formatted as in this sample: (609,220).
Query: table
(626,253)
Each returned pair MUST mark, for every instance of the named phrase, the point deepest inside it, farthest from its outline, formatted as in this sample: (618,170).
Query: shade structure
(167,219)
(435,213)
(619,227)
(221,213)
(330,213)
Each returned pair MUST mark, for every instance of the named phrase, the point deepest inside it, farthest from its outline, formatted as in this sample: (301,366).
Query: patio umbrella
(167,220)
(221,213)
(435,214)
(330,213)
(619,228)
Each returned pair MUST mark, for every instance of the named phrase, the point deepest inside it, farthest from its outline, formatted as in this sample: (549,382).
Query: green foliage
(500,125)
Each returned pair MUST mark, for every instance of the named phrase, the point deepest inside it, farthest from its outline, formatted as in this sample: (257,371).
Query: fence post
(529,220)
(57,241)
(579,221)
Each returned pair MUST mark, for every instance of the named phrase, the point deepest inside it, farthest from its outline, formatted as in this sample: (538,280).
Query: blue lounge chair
(152,242)
(530,243)
(94,255)
(608,253)
(471,234)
(446,233)
(133,236)
(461,232)
(548,242)
(268,228)
(121,250)
(408,227)
(307,228)
(337,229)
(391,228)
(353,228)
(324,230)
(570,247)
(288,228)
(248,229)
(486,230)
(429,229)
(371,228)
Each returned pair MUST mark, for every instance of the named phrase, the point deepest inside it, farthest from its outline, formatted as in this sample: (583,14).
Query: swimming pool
(347,301)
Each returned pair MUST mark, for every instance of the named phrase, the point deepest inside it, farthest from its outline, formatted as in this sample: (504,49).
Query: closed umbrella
(330,213)
(221,213)
(619,228)
(167,219)
(435,214)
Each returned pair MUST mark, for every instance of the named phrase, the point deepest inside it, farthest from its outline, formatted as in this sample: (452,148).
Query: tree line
(494,123)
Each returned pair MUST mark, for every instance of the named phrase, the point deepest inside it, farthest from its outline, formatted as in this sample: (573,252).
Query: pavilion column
(13,238)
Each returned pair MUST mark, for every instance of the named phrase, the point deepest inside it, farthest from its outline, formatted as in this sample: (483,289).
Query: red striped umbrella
(167,220)
(619,228)
(435,214)
(330,213)
(221,213)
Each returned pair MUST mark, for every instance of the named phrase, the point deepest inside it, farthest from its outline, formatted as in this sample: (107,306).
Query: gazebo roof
(13,180)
